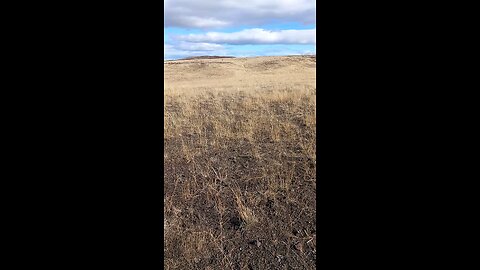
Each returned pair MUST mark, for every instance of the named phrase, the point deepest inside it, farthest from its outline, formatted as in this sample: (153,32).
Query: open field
(240,163)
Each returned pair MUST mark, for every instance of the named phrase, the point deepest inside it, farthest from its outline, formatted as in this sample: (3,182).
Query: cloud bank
(207,14)
(254,36)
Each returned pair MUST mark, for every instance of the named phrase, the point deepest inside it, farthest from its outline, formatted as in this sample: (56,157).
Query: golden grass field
(240,163)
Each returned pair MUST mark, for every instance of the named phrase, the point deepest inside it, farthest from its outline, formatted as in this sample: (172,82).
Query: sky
(240,28)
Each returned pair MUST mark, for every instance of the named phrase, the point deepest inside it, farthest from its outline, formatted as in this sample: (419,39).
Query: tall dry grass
(240,166)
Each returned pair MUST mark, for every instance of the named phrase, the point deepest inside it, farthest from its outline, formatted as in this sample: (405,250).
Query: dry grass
(240,164)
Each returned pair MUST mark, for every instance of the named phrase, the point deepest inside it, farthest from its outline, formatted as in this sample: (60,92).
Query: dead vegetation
(240,165)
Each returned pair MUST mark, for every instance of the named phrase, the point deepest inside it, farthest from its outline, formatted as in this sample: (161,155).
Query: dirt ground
(240,163)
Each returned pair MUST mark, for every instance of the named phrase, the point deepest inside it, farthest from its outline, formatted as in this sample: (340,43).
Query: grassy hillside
(240,163)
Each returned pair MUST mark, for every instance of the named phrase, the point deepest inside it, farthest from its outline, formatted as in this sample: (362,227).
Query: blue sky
(239,28)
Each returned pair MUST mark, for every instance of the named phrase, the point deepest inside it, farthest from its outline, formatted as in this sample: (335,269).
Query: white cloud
(184,49)
(254,36)
(186,46)
(197,22)
(220,13)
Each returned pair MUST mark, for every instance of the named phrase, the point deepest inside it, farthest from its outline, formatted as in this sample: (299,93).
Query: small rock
(299,246)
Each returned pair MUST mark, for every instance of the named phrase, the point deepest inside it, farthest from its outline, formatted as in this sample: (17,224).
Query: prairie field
(240,163)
